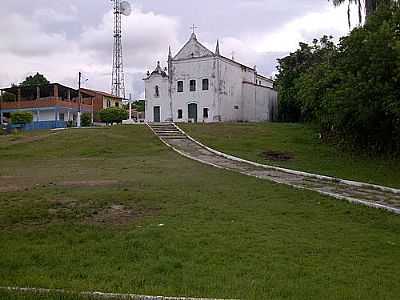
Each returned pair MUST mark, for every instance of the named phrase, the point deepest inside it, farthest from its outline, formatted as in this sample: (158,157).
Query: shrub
(21,118)
(86,119)
(113,115)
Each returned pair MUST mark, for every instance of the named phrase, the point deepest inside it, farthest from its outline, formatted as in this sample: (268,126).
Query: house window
(192,85)
(236,107)
(108,103)
(180,86)
(180,113)
(116,104)
(157,91)
(205,84)
(205,113)
(62,117)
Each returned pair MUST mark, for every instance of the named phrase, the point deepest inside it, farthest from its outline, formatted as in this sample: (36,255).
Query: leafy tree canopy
(37,79)
(86,119)
(139,105)
(350,90)
(21,118)
(113,115)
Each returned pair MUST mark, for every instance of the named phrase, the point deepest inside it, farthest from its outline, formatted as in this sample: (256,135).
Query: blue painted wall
(45,125)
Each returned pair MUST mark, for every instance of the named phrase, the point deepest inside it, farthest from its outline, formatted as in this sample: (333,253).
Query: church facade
(203,86)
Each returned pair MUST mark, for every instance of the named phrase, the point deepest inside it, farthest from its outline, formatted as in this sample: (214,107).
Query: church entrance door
(157,114)
(192,108)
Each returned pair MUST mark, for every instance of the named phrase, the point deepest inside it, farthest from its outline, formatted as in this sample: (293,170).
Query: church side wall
(260,103)
(194,69)
(232,76)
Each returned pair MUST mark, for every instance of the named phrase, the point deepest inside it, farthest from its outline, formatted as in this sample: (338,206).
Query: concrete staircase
(166,131)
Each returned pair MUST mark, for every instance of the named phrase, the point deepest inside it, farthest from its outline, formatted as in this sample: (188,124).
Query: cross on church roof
(194,28)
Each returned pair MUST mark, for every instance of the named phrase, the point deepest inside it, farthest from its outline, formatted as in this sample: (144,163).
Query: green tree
(37,79)
(21,118)
(364,106)
(291,68)
(86,119)
(351,90)
(113,115)
(139,105)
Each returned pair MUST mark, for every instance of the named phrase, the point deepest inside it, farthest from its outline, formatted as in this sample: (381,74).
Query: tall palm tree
(369,6)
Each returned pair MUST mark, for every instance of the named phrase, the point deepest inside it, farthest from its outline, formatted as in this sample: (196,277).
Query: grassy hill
(114,210)
(298,147)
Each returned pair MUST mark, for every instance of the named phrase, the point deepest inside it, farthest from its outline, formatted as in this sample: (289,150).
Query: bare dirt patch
(16,140)
(12,184)
(10,188)
(89,183)
(93,213)
(117,215)
(277,155)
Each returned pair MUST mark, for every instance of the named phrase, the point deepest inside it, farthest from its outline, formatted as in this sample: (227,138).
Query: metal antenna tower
(118,78)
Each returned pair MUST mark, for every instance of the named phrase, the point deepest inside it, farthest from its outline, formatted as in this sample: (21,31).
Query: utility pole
(130,107)
(1,107)
(80,100)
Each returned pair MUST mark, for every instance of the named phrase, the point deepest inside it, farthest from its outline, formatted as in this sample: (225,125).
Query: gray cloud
(61,38)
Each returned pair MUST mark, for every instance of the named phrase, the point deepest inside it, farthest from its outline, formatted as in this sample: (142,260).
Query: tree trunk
(370,7)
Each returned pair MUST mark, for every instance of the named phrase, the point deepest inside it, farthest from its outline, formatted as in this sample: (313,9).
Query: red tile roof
(100,93)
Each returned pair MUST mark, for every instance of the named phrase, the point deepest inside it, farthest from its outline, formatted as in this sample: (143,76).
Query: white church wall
(194,69)
(152,100)
(235,92)
(260,103)
(232,75)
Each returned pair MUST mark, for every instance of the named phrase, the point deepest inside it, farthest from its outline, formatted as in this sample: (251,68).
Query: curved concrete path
(355,192)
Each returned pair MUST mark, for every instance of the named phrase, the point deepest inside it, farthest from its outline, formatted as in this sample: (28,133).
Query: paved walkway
(356,192)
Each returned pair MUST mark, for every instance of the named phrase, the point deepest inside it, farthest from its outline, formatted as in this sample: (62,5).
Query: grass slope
(192,230)
(6,295)
(249,141)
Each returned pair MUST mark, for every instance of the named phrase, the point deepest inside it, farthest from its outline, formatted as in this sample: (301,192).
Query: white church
(203,86)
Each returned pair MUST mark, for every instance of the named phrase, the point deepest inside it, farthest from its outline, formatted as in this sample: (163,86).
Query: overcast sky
(60,38)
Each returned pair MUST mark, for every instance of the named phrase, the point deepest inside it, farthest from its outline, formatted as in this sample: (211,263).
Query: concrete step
(160,124)
(166,130)
(169,133)
(171,137)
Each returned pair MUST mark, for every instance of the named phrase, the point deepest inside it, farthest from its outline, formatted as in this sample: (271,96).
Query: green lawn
(302,144)
(53,296)
(114,210)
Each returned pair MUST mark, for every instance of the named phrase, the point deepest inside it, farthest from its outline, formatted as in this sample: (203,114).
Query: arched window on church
(157,91)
